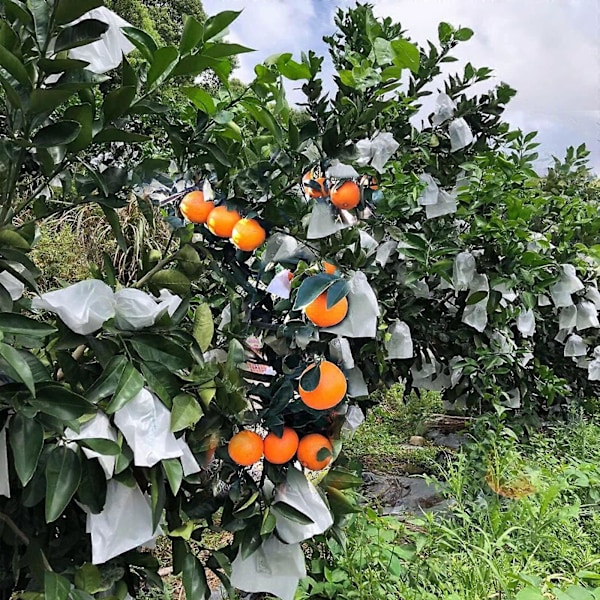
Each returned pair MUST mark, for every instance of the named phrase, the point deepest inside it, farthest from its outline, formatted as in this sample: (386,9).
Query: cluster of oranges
(245,234)
(344,194)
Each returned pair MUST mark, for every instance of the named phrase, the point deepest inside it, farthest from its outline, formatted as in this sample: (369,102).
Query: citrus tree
(312,260)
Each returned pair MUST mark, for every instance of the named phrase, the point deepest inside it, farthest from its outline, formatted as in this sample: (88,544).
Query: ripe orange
(279,450)
(330,390)
(319,188)
(346,195)
(194,208)
(321,316)
(248,235)
(221,221)
(245,448)
(329,267)
(308,450)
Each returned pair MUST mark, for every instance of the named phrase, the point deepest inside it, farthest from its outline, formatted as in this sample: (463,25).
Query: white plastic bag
(357,387)
(275,568)
(568,317)
(400,345)
(446,204)
(354,419)
(567,284)
(322,223)
(11,284)
(526,323)
(340,353)
(363,310)
(124,524)
(594,366)
(281,247)
(475,315)
(431,375)
(146,424)
(593,295)
(280,285)
(575,346)
(460,134)
(444,109)
(430,194)
(339,170)
(385,251)
(587,315)
(83,306)
(188,460)
(4,482)
(508,293)
(463,270)
(97,427)
(168,302)
(376,151)
(135,309)
(107,52)
(302,495)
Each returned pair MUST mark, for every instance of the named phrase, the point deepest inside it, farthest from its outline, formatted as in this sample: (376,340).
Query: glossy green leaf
(173,280)
(26,437)
(63,474)
(60,65)
(192,34)
(163,63)
(291,513)
(56,587)
(21,369)
(130,385)
(204,327)
(174,473)
(80,34)
(186,412)
(88,578)
(13,66)
(406,55)
(17,324)
(224,50)
(107,383)
(338,290)
(101,446)
(84,115)
(68,10)
(46,100)
(159,349)
(62,403)
(201,99)
(476,297)
(158,495)
(218,23)
(57,134)
(194,578)
(141,40)
(312,287)
(117,103)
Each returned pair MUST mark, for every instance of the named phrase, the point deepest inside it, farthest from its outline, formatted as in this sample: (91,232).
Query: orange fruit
(318,189)
(248,235)
(221,221)
(245,448)
(279,450)
(330,389)
(194,208)
(346,195)
(308,450)
(321,316)
(329,267)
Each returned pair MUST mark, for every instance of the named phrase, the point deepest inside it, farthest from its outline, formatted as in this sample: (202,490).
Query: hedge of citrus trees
(309,265)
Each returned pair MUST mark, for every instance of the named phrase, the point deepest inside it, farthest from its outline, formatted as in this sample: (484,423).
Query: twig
(159,265)
(23,538)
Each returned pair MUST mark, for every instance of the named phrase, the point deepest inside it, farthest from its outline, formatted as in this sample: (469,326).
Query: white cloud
(547,50)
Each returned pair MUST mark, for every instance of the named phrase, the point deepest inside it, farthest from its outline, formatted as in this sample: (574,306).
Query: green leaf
(201,99)
(268,523)
(67,10)
(26,437)
(204,327)
(141,40)
(159,349)
(340,503)
(476,297)
(17,324)
(291,513)
(310,379)
(57,134)
(107,383)
(529,593)
(219,22)
(186,412)
(60,402)
(101,446)
(384,54)
(42,12)
(463,34)
(406,55)
(312,287)
(342,480)
(115,224)
(84,115)
(192,34)
(444,32)
(174,473)
(112,134)
(88,578)
(194,65)
(117,103)
(347,78)
(12,239)
(163,63)
(80,34)
(235,354)
(264,118)
(224,50)
(63,474)
(194,578)
(340,289)
(130,385)
(173,280)
(158,495)
(22,370)
(56,587)
(14,67)
(291,69)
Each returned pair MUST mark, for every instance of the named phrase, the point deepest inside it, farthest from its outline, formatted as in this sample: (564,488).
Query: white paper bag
(575,346)
(124,524)
(280,285)
(354,419)
(322,222)
(444,109)
(188,460)
(11,284)
(567,284)
(430,194)
(446,205)
(400,345)
(146,424)
(281,247)
(376,151)
(460,134)
(339,170)
(340,353)
(587,315)
(275,568)
(302,495)
(526,323)
(463,270)
(83,306)
(567,318)
(135,309)
(357,387)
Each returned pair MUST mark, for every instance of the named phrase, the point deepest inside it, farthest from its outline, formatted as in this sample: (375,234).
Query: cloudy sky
(548,50)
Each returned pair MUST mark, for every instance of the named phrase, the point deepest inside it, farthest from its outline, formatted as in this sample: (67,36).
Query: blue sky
(549,50)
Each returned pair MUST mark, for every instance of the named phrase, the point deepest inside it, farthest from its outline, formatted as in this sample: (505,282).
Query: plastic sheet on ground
(575,346)
(97,427)
(107,52)
(322,222)
(146,424)
(4,482)
(280,285)
(363,310)
(526,323)
(587,315)
(302,495)
(124,524)
(11,284)
(340,353)
(444,109)
(460,134)
(376,151)
(400,345)
(83,306)
(275,568)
